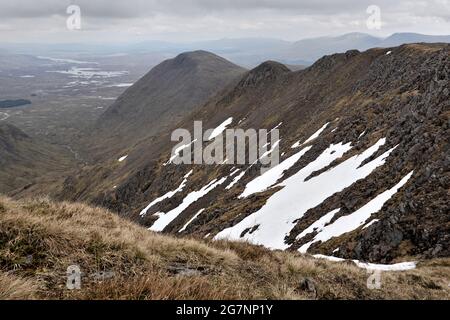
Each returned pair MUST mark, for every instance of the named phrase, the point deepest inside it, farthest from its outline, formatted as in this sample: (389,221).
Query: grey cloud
(142,8)
(209,19)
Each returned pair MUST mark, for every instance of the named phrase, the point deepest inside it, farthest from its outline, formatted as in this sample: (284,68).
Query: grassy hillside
(39,239)
(25,161)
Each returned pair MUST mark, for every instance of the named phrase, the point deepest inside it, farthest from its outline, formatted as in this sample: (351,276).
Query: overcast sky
(189,20)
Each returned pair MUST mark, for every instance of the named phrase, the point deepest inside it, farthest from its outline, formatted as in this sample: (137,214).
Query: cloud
(180,19)
(142,8)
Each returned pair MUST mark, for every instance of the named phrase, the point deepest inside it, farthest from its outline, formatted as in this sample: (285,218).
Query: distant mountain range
(251,51)
(247,52)
(312,49)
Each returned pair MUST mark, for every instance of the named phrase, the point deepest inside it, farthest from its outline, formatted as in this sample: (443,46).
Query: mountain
(369,182)
(313,49)
(25,160)
(120,260)
(401,38)
(162,97)
(247,52)
(250,52)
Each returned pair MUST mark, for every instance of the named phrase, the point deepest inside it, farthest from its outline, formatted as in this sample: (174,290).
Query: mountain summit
(268,70)
(162,97)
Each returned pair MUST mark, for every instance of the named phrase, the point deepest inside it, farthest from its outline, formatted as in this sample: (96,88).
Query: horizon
(149,40)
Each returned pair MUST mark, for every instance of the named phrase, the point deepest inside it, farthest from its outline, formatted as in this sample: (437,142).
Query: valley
(66,95)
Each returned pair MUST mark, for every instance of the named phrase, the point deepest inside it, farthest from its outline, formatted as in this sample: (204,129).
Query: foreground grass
(39,239)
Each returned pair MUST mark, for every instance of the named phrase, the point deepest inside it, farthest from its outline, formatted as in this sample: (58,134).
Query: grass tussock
(40,239)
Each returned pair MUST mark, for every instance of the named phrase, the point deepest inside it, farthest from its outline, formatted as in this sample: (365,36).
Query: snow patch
(190,221)
(177,151)
(356,219)
(121,85)
(314,136)
(221,128)
(270,177)
(402,266)
(164,219)
(276,217)
(168,195)
(276,127)
(265,154)
(234,172)
(235,180)
(371,223)
(319,224)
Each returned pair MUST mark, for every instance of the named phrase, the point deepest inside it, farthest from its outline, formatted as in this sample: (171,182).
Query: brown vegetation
(39,239)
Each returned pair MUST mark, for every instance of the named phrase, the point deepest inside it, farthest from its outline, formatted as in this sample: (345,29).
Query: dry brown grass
(14,288)
(39,239)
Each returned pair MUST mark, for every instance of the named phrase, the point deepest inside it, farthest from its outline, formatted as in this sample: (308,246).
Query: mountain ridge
(353,87)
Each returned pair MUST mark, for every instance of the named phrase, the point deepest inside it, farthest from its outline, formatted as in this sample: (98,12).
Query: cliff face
(364,167)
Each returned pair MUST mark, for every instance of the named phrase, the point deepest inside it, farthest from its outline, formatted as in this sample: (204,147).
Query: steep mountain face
(23,160)
(364,161)
(161,98)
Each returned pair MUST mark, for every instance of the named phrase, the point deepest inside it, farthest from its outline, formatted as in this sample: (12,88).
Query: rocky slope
(364,169)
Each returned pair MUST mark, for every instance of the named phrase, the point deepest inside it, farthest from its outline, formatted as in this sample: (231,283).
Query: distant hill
(401,38)
(162,97)
(314,48)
